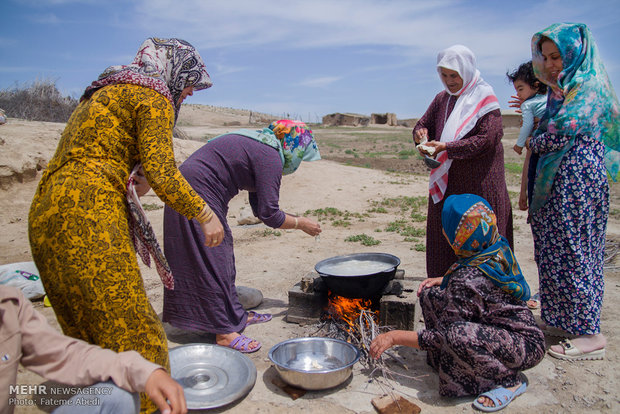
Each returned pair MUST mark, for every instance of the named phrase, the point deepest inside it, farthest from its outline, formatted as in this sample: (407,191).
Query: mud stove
(398,303)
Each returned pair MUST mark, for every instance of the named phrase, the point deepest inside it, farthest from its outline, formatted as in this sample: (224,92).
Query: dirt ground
(274,261)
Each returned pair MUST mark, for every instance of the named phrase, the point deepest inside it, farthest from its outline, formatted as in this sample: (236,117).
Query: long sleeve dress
(204,296)
(78,221)
(476,335)
(569,234)
(477,168)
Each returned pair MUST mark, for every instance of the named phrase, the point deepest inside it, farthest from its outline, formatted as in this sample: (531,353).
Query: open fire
(348,310)
(354,320)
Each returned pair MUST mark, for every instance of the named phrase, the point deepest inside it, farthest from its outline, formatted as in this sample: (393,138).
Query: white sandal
(572,353)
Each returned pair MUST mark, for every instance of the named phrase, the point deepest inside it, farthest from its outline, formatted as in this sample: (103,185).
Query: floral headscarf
(293,140)
(581,101)
(470,225)
(297,143)
(165,65)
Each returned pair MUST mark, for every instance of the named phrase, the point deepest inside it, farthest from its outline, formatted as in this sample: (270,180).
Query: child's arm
(527,126)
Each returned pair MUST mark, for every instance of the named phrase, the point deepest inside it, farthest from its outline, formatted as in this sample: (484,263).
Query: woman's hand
(166,393)
(431,281)
(439,146)
(309,226)
(141,185)
(213,231)
(420,135)
(381,343)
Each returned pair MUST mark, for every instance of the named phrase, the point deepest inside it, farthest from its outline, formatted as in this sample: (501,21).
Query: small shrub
(418,217)
(39,101)
(364,239)
(269,232)
(341,223)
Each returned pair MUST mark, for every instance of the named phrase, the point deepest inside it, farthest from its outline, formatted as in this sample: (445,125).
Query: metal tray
(211,375)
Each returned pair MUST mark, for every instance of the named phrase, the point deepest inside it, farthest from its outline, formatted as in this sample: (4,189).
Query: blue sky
(303,58)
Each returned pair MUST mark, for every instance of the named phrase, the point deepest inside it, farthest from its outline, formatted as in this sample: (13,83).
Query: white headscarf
(475,99)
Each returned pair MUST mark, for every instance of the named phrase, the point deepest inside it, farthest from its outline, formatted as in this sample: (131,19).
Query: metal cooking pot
(358,286)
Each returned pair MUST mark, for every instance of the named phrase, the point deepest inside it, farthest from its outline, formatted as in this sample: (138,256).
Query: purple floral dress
(477,336)
(569,235)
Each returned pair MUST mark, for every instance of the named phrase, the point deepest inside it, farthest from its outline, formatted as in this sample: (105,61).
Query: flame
(348,310)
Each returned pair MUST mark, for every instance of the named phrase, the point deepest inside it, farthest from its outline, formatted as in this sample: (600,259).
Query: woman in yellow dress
(79,229)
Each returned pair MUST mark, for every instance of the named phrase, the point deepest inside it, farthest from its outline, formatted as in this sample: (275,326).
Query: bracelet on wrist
(205,215)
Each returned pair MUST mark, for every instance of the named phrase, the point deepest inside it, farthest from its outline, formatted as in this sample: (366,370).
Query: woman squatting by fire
(479,334)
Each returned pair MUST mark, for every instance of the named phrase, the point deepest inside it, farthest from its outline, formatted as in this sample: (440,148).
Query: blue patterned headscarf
(581,101)
(293,140)
(470,225)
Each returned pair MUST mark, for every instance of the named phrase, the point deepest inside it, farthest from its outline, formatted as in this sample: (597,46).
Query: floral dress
(569,235)
(477,336)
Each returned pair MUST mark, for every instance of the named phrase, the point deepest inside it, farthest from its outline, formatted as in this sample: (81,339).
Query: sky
(296,59)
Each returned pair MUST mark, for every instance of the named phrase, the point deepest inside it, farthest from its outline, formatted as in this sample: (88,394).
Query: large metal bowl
(314,363)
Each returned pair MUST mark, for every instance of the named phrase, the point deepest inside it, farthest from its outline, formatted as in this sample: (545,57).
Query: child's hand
(523,201)
(516,103)
(518,149)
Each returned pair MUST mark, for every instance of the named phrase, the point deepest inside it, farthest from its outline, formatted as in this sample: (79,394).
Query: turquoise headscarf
(581,101)
(470,225)
(293,140)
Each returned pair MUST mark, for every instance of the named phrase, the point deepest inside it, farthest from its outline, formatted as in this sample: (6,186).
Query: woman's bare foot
(585,343)
(487,402)
(226,339)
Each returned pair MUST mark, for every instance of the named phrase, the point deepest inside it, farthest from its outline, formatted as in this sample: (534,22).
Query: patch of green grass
(378,210)
(412,239)
(151,206)
(375,154)
(403,202)
(514,167)
(326,211)
(332,145)
(364,239)
(420,247)
(269,232)
(418,217)
(410,231)
(337,217)
(405,229)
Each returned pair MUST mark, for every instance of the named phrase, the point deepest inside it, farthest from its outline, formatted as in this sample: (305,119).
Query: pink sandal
(242,344)
(257,318)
